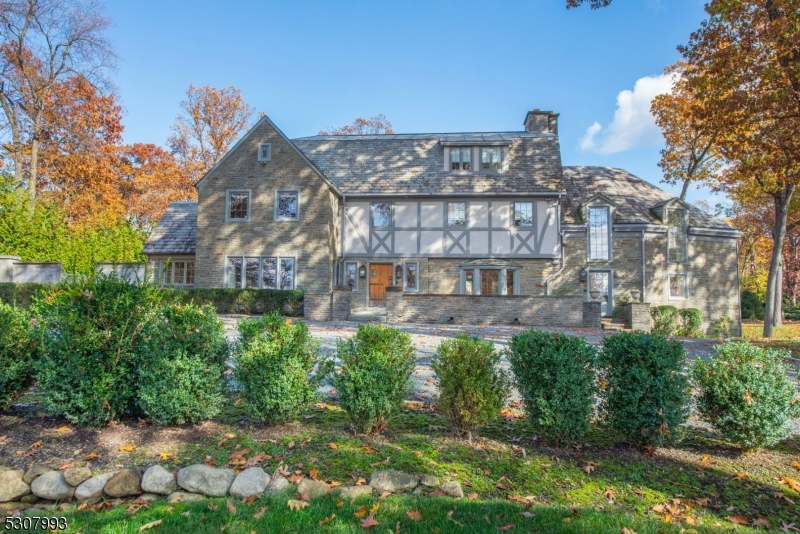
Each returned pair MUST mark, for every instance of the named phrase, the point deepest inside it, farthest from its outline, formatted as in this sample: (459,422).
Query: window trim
(346,282)
(683,233)
(228,194)
(477,279)
(261,259)
(501,165)
(372,214)
(414,289)
(166,267)
(294,272)
(461,149)
(514,214)
(447,214)
(685,286)
(275,207)
(609,236)
(269,152)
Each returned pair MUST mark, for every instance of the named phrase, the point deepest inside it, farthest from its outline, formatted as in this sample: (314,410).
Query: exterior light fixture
(362,271)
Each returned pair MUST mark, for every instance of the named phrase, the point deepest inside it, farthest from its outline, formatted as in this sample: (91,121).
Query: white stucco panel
(478,216)
(433,214)
(501,215)
(547,226)
(405,214)
(405,242)
(356,227)
(501,242)
(478,242)
(430,242)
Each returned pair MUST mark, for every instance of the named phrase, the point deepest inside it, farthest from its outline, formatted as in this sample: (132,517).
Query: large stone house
(433,224)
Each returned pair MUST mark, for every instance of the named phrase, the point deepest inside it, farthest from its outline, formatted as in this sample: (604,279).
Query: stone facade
(311,239)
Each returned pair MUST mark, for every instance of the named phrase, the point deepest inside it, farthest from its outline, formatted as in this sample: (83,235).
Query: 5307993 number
(33,523)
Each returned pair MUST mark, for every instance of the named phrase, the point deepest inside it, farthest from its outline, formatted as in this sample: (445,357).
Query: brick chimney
(538,121)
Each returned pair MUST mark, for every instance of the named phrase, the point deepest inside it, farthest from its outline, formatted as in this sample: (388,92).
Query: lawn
(784,337)
(514,483)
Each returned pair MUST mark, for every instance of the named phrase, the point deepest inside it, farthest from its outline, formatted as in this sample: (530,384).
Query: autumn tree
(377,124)
(43,43)
(690,154)
(594,4)
(209,122)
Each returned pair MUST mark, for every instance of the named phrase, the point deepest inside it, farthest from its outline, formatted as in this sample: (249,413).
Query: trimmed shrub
(373,380)
(752,307)
(555,375)
(89,331)
(691,322)
(22,295)
(645,392)
(246,301)
(181,365)
(471,387)
(722,327)
(274,359)
(666,320)
(746,393)
(17,350)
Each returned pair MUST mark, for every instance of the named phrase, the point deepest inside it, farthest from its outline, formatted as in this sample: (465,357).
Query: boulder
(392,481)
(251,481)
(182,496)
(76,475)
(429,481)
(91,490)
(35,471)
(158,480)
(453,489)
(148,497)
(29,499)
(125,483)
(277,485)
(52,486)
(315,488)
(353,492)
(209,481)
(12,487)
(7,509)
(33,512)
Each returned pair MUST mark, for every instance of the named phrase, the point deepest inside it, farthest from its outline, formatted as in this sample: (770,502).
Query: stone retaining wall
(560,311)
(333,306)
(637,315)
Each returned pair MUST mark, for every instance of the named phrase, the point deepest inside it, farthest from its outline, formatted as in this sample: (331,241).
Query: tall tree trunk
(16,137)
(34,163)
(782,200)
(777,318)
(684,189)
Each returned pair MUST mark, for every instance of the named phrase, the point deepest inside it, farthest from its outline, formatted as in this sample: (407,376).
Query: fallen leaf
(296,505)
(327,520)
(738,519)
(213,507)
(260,513)
(385,462)
(63,429)
(361,512)
(648,450)
(361,481)
(627,531)
(66,465)
(313,473)
(166,456)
(250,499)
(35,444)
(639,492)
(414,515)
(590,466)
(472,496)
(333,446)
(761,522)
(231,507)
(127,448)
(450,517)
(703,501)
(92,456)
(792,483)
(796,465)
(369,449)
(290,445)
(150,525)
(706,459)
(609,493)
(507,526)
(741,476)
(375,508)
(369,522)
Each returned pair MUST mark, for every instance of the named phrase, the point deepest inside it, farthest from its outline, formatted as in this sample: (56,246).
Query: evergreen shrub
(555,374)
(666,320)
(746,393)
(17,351)
(374,377)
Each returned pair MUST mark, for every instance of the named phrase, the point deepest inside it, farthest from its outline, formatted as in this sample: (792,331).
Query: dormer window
(491,158)
(676,235)
(460,158)
(599,233)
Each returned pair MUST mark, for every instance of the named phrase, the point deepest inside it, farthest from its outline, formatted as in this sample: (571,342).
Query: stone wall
(317,306)
(311,239)
(637,316)
(340,307)
(17,272)
(487,310)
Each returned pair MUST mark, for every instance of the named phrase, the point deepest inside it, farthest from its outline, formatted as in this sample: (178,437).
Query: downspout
(341,243)
(560,269)
(644,278)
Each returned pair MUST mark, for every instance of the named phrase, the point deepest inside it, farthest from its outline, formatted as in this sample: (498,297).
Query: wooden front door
(380,276)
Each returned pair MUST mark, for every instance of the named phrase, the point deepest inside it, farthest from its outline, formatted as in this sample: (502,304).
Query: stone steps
(614,325)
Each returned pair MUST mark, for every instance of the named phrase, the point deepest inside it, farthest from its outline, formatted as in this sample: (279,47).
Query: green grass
(554,479)
(754,330)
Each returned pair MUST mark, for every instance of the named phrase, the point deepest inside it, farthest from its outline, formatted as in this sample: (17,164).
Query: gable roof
(634,198)
(176,232)
(265,119)
(413,164)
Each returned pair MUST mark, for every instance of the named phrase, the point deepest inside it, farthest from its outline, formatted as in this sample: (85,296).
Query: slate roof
(634,198)
(176,232)
(397,164)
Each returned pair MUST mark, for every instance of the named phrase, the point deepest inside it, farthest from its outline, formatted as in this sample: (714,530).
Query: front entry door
(380,276)
(601,281)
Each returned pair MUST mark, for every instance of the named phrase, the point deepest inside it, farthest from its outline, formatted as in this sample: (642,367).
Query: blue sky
(429,66)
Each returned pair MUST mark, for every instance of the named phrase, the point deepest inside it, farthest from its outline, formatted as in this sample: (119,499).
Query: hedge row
(243,301)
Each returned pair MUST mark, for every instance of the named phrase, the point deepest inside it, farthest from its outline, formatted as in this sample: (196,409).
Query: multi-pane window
(238,205)
(460,158)
(381,214)
(490,281)
(269,273)
(286,205)
(456,214)
(411,282)
(469,276)
(598,234)
(175,273)
(261,273)
(676,236)
(678,288)
(491,158)
(189,273)
(351,274)
(523,213)
(264,152)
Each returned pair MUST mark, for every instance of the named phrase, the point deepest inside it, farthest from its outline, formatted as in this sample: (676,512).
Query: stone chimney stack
(538,121)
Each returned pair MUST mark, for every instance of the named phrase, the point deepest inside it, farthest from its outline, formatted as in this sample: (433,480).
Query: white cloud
(633,125)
